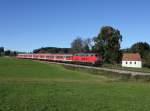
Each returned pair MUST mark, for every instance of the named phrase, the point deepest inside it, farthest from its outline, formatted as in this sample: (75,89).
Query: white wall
(136,64)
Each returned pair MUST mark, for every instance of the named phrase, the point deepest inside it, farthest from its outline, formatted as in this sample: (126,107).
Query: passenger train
(81,58)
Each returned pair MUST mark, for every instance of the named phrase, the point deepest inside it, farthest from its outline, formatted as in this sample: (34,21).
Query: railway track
(133,73)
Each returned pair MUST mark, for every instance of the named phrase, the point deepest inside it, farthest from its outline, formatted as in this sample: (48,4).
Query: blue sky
(29,24)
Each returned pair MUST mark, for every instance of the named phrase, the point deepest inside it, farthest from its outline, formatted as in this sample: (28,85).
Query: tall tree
(77,45)
(107,43)
(87,45)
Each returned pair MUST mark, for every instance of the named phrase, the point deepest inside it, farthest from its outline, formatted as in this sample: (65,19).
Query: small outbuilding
(132,60)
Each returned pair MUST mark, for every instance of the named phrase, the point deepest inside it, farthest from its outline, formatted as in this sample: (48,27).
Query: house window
(130,62)
(134,62)
(126,62)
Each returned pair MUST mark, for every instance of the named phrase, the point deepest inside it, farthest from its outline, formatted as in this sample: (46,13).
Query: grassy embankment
(33,86)
(118,66)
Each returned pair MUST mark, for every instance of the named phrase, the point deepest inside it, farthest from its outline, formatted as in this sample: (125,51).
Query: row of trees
(78,45)
(7,52)
(52,50)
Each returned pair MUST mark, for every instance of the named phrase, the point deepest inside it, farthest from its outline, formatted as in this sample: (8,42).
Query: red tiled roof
(131,57)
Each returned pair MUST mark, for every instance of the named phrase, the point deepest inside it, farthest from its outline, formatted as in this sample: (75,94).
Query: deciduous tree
(107,43)
(141,47)
(77,45)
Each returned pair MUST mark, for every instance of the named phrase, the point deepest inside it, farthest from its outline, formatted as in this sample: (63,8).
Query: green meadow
(27,85)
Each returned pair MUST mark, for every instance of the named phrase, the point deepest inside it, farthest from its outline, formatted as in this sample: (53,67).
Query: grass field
(32,86)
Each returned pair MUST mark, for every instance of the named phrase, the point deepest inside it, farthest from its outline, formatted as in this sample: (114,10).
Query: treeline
(53,50)
(77,46)
(7,52)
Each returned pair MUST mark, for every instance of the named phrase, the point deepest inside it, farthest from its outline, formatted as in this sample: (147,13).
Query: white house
(132,60)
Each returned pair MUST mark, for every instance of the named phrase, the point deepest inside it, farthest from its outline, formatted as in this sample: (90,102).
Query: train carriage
(83,58)
(63,57)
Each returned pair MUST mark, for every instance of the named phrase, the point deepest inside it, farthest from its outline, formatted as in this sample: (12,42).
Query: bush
(146,65)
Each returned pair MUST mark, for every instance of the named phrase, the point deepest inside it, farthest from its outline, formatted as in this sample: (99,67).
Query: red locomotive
(83,58)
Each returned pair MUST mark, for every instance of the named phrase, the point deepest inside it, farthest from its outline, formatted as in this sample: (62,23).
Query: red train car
(86,58)
(91,58)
